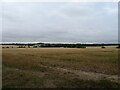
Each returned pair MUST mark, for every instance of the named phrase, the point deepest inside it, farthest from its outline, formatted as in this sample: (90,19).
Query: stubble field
(91,67)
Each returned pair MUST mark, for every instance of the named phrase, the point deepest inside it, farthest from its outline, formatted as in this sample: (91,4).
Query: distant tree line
(75,45)
(35,45)
(64,45)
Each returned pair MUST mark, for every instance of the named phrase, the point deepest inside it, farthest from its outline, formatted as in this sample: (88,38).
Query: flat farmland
(91,67)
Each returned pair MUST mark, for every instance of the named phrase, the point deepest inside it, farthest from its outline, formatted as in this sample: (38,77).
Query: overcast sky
(60,22)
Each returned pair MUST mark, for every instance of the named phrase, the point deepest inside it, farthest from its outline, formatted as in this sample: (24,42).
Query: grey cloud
(59,22)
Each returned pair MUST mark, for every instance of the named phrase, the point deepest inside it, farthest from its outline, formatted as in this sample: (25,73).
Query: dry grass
(27,64)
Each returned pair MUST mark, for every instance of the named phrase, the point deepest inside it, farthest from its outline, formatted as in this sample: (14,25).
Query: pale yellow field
(7,45)
(49,65)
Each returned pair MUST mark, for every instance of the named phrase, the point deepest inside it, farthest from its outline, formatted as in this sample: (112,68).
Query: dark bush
(102,47)
(34,46)
(118,46)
